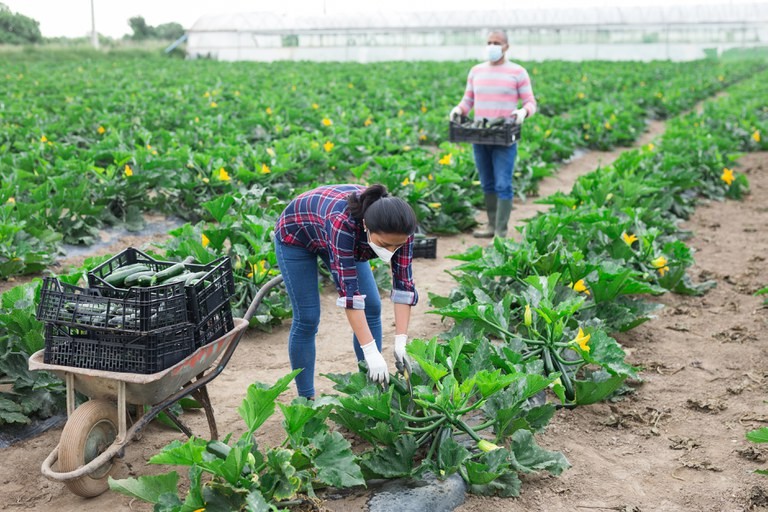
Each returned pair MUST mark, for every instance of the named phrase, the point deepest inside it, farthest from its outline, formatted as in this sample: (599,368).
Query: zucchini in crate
(138,278)
(173,270)
(118,277)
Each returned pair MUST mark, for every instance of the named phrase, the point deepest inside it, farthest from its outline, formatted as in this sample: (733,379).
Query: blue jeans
(299,269)
(496,165)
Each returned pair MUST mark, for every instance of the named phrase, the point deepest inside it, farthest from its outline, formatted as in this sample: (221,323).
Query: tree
(169,31)
(16,28)
(140,29)
(166,31)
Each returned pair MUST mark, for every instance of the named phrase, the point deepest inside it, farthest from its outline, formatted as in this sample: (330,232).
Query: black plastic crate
(425,247)
(136,310)
(504,134)
(117,352)
(212,291)
(215,325)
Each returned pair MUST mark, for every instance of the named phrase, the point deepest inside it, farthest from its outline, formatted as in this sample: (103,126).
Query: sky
(72,18)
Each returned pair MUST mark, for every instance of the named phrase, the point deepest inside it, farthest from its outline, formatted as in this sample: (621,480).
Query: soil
(675,444)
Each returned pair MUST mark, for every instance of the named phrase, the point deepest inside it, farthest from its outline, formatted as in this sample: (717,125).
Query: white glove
(401,340)
(520,115)
(455,114)
(377,366)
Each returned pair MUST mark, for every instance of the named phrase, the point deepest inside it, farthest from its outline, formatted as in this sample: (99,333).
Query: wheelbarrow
(97,431)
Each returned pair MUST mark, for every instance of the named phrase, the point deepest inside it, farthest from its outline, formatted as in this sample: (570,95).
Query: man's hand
(455,114)
(377,367)
(401,340)
(520,115)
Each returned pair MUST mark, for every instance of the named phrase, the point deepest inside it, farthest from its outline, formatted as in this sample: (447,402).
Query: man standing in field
(494,89)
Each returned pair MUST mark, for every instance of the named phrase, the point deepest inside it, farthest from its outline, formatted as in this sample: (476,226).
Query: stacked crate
(136,329)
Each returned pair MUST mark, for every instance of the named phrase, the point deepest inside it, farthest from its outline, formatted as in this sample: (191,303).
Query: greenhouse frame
(671,32)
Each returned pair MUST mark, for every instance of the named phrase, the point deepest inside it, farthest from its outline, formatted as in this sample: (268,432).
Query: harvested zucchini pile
(141,275)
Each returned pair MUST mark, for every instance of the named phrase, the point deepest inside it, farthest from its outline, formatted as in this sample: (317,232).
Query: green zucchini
(175,279)
(147,280)
(118,277)
(173,270)
(134,279)
(194,277)
(123,321)
(219,449)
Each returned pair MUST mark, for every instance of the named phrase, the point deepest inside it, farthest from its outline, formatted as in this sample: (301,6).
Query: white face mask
(381,252)
(493,52)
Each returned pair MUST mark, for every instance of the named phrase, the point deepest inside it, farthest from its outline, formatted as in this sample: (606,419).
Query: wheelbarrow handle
(263,291)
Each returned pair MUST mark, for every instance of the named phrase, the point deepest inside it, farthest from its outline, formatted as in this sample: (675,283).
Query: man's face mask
(493,52)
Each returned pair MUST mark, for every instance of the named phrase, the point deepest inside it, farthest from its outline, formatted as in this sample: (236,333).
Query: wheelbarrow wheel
(89,431)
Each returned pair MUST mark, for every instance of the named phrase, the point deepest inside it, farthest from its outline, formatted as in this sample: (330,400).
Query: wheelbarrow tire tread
(78,428)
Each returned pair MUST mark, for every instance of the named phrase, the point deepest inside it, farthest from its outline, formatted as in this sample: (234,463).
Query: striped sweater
(494,91)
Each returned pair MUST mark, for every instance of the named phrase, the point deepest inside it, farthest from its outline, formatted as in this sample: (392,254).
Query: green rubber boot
(490,209)
(504,209)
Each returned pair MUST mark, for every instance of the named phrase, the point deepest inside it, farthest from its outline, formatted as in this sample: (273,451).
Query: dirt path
(671,446)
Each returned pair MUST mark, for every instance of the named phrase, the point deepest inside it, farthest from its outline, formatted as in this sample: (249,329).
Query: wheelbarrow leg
(176,421)
(201,395)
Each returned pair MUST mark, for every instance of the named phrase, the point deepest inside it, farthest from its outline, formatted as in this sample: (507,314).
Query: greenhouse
(673,32)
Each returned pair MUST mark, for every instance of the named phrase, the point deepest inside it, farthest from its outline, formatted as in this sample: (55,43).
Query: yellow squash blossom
(327,122)
(607,125)
(315,106)
(527,316)
(628,239)
(660,264)
(435,206)
(265,169)
(368,122)
(101,130)
(405,182)
(128,171)
(727,176)
(269,111)
(214,104)
(487,446)
(328,146)
(756,136)
(43,139)
(579,286)
(223,175)
(581,96)
(424,109)
(205,240)
(446,160)
(11,200)
(581,340)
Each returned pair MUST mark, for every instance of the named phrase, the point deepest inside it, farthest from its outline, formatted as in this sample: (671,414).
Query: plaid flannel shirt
(319,220)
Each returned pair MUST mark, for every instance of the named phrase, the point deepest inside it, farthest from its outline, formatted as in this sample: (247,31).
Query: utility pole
(94,35)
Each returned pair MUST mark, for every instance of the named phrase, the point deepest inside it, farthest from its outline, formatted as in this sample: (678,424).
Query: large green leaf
(450,456)
(393,461)
(259,402)
(219,206)
(530,457)
(181,454)
(148,488)
(335,461)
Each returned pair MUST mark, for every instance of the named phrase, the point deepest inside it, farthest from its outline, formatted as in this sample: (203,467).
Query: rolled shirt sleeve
(403,288)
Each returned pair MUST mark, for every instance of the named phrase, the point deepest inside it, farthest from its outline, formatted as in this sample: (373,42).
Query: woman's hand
(401,340)
(377,366)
